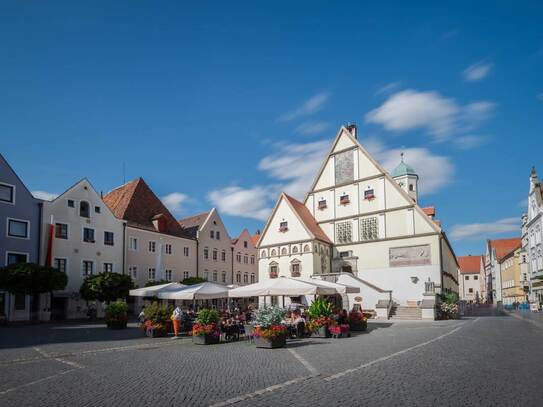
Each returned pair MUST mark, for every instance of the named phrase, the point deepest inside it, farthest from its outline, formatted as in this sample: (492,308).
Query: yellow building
(512,267)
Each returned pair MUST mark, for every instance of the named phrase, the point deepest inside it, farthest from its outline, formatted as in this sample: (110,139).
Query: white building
(359,224)
(87,239)
(469,283)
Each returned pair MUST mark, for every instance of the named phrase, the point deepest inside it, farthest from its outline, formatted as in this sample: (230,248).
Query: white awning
(340,288)
(204,291)
(282,286)
(153,290)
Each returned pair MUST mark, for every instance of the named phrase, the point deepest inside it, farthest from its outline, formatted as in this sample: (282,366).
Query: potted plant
(206,331)
(358,321)
(339,331)
(157,320)
(448,308)
(320,320)
(269,333)
(116,315)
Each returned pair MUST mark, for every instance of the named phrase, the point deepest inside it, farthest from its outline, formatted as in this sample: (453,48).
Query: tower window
(411,187)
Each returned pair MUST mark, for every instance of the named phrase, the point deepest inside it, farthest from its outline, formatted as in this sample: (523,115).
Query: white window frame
(112,266)
(149,270)
(66,260)
(18,220)
(166,245)
(8,252)
(83,234)
(153,244)
(131,269)
(130,246)
(166,271)
(186,251)
(104,242)
(186,274)
(83,269)
(67,230)
(13,194)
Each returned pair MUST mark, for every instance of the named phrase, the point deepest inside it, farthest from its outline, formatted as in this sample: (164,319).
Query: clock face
(344,167)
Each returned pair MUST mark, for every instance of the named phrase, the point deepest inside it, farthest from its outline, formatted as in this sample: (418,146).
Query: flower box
(344,200)
(270,343)
(273,274)
(207,339)
(322,332)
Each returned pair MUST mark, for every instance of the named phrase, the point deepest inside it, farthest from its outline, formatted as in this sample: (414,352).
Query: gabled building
(157,247)
(20,222)
(244,255)
(512,267)
(214,246)
(496,250)
(86,239)
(361,222)
(469,279)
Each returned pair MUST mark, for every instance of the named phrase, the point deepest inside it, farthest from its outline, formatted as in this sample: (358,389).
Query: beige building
(156,245)
(244,255)
(513,267)
(361,225)
(469,280)
(214,246)
(88,239)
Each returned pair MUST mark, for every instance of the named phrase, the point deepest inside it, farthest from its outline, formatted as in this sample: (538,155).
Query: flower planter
(271,343)
(358,326)
(208,339)
(322,332)
(116,323)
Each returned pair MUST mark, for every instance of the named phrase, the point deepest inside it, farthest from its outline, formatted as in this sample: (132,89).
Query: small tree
(151,283)
(193,280)
(106,287)
(31,278)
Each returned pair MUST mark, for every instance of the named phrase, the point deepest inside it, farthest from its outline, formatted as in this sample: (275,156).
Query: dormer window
(344,200)
(322,204)
(283,226)
(84,210)
(369,195)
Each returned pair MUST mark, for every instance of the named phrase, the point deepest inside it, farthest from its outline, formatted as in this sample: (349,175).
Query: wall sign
(410,256)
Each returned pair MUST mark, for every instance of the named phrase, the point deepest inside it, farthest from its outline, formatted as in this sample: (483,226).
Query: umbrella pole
(283,301)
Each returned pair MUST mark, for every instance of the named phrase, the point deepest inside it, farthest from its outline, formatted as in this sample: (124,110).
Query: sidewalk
(535,318)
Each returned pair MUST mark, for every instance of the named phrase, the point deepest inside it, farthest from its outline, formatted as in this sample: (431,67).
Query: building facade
(496,250)
(156,246)
(468,282)
(86,239)
(244,256)
(214,246)
(513,266)
(361,222)
(20,222)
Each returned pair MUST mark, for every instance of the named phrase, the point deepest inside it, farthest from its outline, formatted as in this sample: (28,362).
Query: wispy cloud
(174,201)
(441,117)
(46,196)
(523,203)
(469,142)
(477,72)
(388,88)
(540,96)
(311,128)
(253,203)
(481,231)
(309,107)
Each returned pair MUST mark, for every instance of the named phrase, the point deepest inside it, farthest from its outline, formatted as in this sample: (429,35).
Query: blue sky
(227,103)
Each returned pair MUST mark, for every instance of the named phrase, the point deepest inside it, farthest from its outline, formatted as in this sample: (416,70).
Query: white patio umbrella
(340,288)
(282,286)
(204,291)
(153,290)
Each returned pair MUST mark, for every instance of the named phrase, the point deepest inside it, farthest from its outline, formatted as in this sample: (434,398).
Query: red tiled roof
(192,224)
(255,238)
(136,203)
(308,219)
(429,211)
(505,246)
(469,264)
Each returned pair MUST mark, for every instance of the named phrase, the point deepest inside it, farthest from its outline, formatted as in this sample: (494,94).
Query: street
(471,361)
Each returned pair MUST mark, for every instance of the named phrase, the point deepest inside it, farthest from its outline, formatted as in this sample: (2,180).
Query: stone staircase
(403,312)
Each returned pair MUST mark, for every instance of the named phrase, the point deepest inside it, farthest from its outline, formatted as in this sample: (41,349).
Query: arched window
(246,277)
(274,269)
(273,252)
(295,268)
(295,249)
(84,209)
(283,251)
(263,253)
(307,249)
(252,278)
(238,277)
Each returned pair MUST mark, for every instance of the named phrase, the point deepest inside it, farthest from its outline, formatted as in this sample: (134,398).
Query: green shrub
(106,287)
(193,280)
(207,316)
(158,313)
(450,298)
(320,308)
(268,316)
(116,309)
(151,283)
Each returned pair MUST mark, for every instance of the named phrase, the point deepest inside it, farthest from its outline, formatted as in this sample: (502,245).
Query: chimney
(352,129)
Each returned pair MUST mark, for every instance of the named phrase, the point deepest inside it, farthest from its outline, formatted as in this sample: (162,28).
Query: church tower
(407,179)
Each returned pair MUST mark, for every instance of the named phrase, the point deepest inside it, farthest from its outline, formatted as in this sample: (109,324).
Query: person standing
(176,319)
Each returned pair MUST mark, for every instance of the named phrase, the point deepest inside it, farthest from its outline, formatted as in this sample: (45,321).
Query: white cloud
(388,88)
(482,231)
(254,203)
(309,107)
(174,200)
(469,142)
(441,117)
(435,171)
(477,72)
(46,196)
(310,128)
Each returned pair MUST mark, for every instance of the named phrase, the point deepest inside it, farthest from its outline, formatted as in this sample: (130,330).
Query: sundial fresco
(344,167)
(410,256)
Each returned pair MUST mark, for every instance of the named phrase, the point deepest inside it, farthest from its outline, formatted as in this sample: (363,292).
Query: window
(108,268)
(252,278)
(212,234)
(214,276)
(238,257)
(88,267)
(186,251)
(133,271)
(97,209)
(246,259)
(245,244)
(263,253)
(7,193)
(344,200)
(369,229)
(466,278)
(238,278)
(295,249)
(186,274)
(13,258)
(411,189)
(246,278)
(108,238)
(60,264)
(252,259)
(71,203)
(152,246)
(84,210)
(206,253)
(283,251)
(470,290)
(307,249)
(61,230)
(218,234)
(223,277)
(368,194)
(322,204)
(151,274)
(274,270)
(18,228)
(168,275)
(223,255)
(295,269)
(133,244)
(476,277)
(344,232)
(168,248)
(283,226)
(88,235)
(215,254)
(206,275)
(19,302)
(273,253)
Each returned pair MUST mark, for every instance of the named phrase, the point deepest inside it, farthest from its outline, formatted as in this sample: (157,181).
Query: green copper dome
(403,169)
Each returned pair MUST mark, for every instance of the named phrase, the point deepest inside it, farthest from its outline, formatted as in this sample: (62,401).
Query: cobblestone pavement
(481,360)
